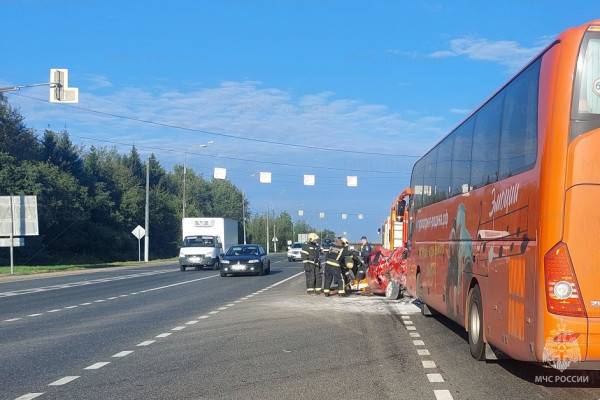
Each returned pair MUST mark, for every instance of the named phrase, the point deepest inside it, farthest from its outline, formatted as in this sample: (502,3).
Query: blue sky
(389,77)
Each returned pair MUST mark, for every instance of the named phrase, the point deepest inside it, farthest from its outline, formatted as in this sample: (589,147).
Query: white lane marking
(230,305)
(204,316)
(124,295)
(29,396)
(423,352)
(405,317)
(34,315)
(85,304)
(12,319)
(55,310)
(99,301)
(133,293)
(98,365)
(191,322)
(418,343)
(122,354)
(63,381)
(238,301)
(435,378)
(213,312)
(222,308)
(415,334)
(79,283)
(408,322)
(111,298)
(163,335)
(428,364)
(70,307)
(145,343)
(411,328)
(178,328)
(443,395)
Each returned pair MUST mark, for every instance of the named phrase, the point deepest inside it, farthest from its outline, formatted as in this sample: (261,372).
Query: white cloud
(249,109)
(508,53)
(460,111)
(96,81)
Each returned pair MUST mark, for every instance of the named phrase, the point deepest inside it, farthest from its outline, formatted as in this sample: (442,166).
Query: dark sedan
(245,259)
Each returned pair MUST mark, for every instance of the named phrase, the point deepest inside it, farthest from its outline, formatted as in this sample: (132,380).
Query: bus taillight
(562,290)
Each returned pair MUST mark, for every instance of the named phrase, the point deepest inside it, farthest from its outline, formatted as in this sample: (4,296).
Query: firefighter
(365,250)
(312,265)
(333,267)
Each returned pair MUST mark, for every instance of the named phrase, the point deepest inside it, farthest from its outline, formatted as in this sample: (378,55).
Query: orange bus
(505,212)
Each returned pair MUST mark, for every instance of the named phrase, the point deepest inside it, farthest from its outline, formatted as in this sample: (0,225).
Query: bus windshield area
(589,82)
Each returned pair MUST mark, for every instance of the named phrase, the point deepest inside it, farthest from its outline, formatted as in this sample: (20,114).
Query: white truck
(205,240)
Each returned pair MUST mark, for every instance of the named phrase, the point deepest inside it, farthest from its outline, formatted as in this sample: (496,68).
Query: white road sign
(138,232)
(23,216)
(17,242)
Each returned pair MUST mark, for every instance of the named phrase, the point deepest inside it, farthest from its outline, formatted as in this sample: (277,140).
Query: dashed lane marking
(203,316)
(435,378)
(443,395)
(423,352)
(98,365)
(414,334)
(411,328)
(63,381)
(213,312)
(178,328)
(29,396)
(145,343)
(122,354)
(164,335)
(111,298)
(191,322)
(428,364)
(80,283)
(418,343)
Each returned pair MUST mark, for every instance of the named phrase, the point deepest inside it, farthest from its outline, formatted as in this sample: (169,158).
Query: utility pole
(268,239)
(12,230)
(183,201)
(147,220)
(244,216)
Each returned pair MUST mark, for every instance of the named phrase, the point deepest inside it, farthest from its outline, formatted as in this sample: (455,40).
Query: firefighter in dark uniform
(365,250)
(336,258)
(312,265)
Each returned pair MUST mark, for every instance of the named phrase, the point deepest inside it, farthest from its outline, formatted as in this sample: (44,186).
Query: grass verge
(40,269)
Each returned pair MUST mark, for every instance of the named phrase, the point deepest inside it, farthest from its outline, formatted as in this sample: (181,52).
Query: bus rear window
(586,101)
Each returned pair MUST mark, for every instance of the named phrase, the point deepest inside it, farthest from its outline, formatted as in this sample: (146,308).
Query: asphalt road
(157,333)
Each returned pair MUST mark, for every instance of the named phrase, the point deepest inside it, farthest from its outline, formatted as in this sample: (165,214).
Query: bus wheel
(475,324)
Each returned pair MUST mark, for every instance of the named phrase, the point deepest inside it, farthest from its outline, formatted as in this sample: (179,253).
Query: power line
(284,164)
(221,134)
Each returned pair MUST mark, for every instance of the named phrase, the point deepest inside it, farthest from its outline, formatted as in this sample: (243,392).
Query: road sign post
(18,218)
(139,233)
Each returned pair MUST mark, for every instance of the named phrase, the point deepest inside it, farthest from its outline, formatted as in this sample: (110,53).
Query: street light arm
(16,88)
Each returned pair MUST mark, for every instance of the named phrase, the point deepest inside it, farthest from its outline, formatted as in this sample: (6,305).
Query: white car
(294,252)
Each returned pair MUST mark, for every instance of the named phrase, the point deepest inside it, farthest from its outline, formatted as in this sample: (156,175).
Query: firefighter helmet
(313,237)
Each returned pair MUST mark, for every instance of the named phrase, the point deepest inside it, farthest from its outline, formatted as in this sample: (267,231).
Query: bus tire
(475,325)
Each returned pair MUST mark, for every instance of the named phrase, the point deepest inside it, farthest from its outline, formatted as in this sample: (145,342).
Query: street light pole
(184,174)
(268,240)
(147,219)
(244,216)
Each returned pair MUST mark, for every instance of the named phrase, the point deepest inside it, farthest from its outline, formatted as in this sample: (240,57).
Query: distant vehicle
(204,240)
(294,252)
(245,259)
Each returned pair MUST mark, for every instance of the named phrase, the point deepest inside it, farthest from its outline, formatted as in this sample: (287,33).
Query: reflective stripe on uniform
(304,252)
(310,289)
(308,261)
(333,263)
